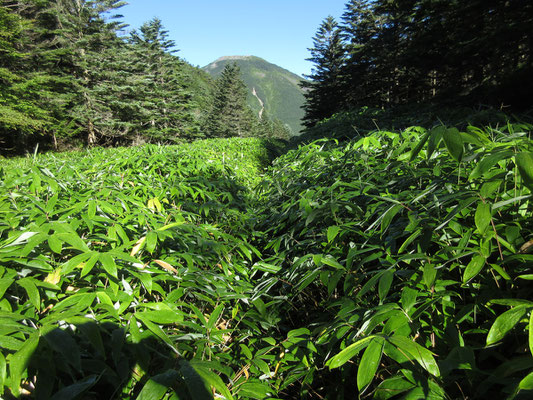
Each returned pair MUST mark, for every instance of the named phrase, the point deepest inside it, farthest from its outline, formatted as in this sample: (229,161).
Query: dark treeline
(385,53)
(70,76)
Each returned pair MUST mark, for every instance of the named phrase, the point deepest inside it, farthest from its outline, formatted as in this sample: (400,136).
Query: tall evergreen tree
(323,92)
(87,30)
(409,51)
(23,118)
(164,107)
(231,115)
(360,27)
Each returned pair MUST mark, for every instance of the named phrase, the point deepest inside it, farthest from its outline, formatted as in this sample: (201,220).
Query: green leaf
(384,285)
(331,261)
(487,162)
(155,329)
(531,333)
(369,362)
(91,210)
(3,372)
(526,383)
(454,143)
(214,317)
(408,298)
(74,262)
(369,285)
(5,283)
(388,216)
(151,241)
(434,139)
(108,262)
(255,390)
(74,240)
(32,291)
(161,316)
(212,379)
(195,383)
(349,352)
(422,355)
(63,343)
(429,275)
(473,268)
(489,188)
(18,362)
(92,331)
(56,245)
(333,231)
(262,266)
(89,264)
(501,271)
(419,146)
(152,390)
(483,217)
(504,323)
(74,390)
(392,387)
(524,162)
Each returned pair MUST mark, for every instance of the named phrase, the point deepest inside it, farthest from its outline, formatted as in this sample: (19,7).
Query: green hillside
(276,87)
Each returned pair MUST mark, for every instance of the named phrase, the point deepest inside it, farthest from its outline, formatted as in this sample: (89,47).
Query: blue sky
(280,31)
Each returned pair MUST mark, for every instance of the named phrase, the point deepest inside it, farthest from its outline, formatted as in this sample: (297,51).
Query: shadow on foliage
(350,124)
(100,361)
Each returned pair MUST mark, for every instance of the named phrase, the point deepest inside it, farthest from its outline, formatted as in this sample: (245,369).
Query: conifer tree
(23,119)
(231,115)
(87,36)
(323,96)
(164,106)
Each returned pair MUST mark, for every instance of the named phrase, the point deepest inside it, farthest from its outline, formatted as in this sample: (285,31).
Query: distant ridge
(271,88)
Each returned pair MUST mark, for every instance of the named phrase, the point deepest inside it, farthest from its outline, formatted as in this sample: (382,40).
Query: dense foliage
(273,91)
(230,115)
(72,74)
(397,264)
(322,98)
(116,267)
(404,263)
(418,51)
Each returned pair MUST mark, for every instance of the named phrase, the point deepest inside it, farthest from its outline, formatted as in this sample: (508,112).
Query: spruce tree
(323,96)
(164,106)
(87,31)
(231,115)
(24,121)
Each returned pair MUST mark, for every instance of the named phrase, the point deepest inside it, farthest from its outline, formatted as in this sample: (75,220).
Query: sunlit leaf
(369,362)
(348,353)
(504,323)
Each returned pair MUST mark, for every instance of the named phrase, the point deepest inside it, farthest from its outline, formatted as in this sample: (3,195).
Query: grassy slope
(277,88)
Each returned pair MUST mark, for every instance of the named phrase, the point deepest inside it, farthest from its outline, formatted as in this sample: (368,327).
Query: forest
(71,77)
(158,240)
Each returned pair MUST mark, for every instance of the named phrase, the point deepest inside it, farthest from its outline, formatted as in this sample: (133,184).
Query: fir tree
(231,115)
(23,119)
(164,107)
(87,36)
(323,95)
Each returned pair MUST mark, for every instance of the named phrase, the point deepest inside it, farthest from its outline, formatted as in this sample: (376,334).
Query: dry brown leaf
(166,266)
(527,247)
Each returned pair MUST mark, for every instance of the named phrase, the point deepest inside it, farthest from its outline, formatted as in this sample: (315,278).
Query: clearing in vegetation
(396,265)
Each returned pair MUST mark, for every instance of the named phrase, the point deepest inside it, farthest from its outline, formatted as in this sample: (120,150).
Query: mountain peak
(224,59)
(271,88)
